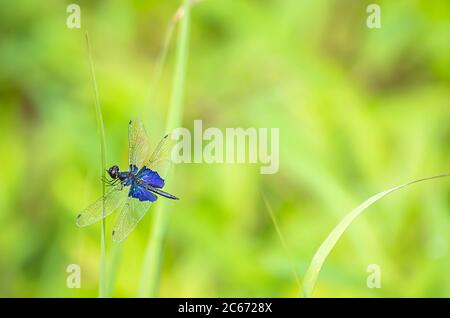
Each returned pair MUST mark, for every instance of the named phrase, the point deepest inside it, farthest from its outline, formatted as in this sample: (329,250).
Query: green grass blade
(153,88)
(101,131)
(282,241)
(176,104)
(152,96)
(152,259)
(116,251)
(324,250)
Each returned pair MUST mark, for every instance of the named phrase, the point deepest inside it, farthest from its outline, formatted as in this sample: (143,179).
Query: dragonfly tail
(164,194)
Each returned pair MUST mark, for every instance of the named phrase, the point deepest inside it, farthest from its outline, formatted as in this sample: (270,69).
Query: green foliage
(358,110)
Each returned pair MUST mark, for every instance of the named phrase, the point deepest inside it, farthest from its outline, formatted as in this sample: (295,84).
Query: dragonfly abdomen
(159,192)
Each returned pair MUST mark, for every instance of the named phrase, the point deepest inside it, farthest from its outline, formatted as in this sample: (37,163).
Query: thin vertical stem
(113,268)
(101,131)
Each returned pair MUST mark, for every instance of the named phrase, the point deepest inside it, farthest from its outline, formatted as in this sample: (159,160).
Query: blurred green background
(359,110)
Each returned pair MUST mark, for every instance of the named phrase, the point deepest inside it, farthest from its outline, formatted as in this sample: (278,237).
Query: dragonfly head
(113,172)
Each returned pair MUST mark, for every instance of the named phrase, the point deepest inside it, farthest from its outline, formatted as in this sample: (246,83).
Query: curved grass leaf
(324,250)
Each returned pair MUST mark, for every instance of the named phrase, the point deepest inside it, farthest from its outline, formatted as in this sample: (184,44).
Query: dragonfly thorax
(115,173)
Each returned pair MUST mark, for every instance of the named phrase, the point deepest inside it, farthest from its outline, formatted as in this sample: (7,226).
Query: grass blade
(282,241)
(152,95)
(152,259)
(324,250)
(101,131)
(113,268)
(153,88)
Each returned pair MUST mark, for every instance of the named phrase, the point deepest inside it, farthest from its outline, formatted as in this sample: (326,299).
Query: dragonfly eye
(114,172)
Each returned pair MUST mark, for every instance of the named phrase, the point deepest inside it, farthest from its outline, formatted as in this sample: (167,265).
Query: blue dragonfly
(135,190)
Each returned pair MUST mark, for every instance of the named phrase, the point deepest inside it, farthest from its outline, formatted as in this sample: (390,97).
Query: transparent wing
(132,212)
(137,142)
(113,199)
(161,156)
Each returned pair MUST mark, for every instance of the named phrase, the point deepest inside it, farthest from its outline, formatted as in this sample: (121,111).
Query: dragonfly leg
(109,182)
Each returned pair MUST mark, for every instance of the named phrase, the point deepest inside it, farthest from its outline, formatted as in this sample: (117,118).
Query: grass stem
(101,131)
(116,251)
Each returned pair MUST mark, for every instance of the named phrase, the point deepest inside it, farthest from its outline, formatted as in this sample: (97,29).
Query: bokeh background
(359,111)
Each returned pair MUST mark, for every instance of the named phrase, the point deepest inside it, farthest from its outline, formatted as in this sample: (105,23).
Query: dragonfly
(132,191)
